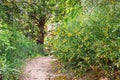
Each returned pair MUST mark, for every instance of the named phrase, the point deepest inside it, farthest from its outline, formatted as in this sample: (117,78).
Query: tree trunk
(40,39)
(1,77)
(41,34)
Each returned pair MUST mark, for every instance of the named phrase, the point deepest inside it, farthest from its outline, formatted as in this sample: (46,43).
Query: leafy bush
(14,49)
(90,41)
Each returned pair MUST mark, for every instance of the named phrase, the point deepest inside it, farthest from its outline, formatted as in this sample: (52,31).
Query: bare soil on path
(40,69)
(37,69)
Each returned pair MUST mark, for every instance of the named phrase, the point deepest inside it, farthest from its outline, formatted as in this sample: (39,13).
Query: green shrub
(14,49)
(89,41)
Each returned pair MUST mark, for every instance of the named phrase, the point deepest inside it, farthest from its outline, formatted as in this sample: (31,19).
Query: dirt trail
(37,69)
(40,69)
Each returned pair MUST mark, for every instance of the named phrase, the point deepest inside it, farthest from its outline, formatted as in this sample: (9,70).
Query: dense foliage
(33,16)
(14,49)
(90,40)
(14,46)
(87,35)
(22,24)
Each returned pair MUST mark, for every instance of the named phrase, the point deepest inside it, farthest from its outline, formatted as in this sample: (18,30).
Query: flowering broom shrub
(89,41)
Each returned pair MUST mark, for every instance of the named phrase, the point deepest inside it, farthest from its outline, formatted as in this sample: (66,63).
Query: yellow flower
(78,49)
(64,40)
(54,33)
(78,33)
(87,58)
(79,46)
(69,34)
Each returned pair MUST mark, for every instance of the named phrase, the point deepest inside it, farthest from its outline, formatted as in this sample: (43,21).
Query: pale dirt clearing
(37,69)
(40,69)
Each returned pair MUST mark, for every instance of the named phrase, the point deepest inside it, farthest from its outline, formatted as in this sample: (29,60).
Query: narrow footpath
(40,69)
(37,69)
